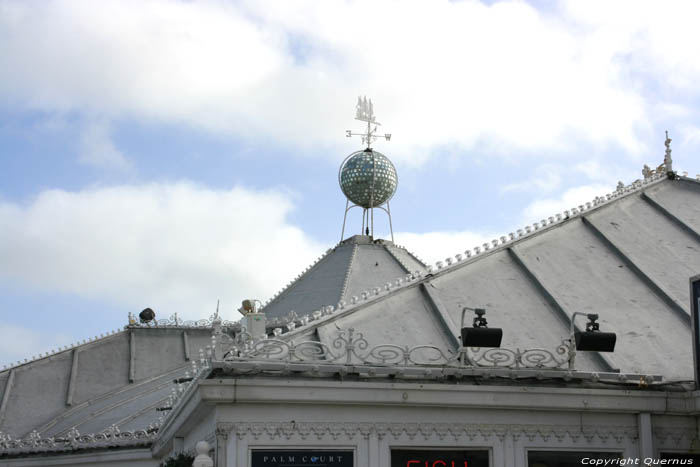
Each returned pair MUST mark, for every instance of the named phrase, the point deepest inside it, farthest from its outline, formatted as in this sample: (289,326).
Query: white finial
(668,162)
(202,459)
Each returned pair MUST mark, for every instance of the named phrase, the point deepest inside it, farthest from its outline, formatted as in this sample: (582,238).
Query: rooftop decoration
(668,162)
(73,441)
(350,352)
(367,178)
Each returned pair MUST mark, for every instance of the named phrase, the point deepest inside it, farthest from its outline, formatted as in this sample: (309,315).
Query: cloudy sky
(172,153)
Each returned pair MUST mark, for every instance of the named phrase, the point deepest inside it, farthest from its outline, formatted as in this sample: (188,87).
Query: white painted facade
(372,418)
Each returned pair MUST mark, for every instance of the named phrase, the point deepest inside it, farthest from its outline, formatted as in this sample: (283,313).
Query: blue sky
(170,153)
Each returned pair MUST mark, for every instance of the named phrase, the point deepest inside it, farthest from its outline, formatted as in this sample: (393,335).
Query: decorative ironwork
(73,440)
(350,347)
(175,321)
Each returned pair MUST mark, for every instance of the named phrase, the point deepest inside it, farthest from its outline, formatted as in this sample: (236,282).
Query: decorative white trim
(73,441)
(299,277)
(346,280)
(431,431)
(59,350)
(350,352)
(174,321)
(674,436)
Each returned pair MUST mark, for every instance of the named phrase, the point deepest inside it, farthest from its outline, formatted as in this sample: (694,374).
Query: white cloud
(571,198)
(545,179)
(176,248)
(437,246)
(97,149)
(18,343)
(690,134)
(457,73)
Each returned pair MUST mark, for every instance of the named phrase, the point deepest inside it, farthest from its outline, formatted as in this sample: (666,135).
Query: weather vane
(365,113)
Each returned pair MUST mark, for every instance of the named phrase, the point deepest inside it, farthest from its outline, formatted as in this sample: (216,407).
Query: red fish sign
(438,458)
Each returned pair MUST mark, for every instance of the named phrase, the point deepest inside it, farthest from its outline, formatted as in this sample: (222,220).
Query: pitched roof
(354,265)
(117,380)
(627,256)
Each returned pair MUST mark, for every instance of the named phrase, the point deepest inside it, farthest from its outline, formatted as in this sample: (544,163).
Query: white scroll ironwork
(73,440)
(350,347)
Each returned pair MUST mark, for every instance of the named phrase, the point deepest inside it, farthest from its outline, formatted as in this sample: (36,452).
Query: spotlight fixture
(480,335)
(249,306)
(592,339)
(147,315)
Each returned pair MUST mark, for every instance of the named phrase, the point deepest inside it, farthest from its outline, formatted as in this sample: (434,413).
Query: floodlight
(147,315)
(592,339)
(480,335)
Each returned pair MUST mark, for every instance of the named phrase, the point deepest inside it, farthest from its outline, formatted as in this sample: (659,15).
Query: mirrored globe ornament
(368,178)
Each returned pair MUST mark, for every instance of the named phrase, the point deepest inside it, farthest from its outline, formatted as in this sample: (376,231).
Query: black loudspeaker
(595,341)
(481,337)
(147,315)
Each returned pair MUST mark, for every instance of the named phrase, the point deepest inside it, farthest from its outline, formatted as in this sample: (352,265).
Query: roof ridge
(412,255)
(303,274)
(103,336)
(344,288)
(684,175)
(318,261)
(60,349)
(536,228)
(394,255)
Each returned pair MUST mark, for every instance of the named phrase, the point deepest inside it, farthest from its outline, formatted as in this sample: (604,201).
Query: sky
(169,154)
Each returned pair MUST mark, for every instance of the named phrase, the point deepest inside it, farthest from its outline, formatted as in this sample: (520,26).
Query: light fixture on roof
(249,306)
(480,335)
(147,315)
(592,339)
